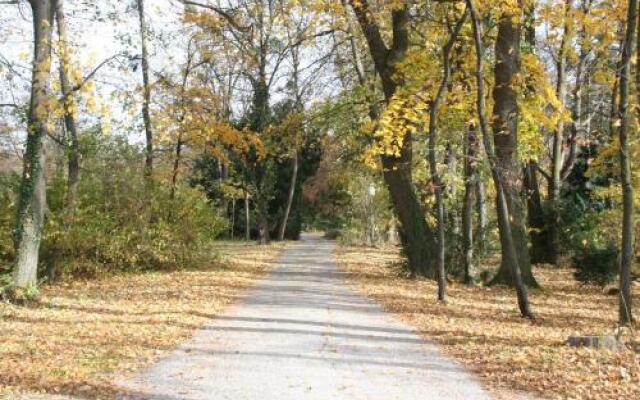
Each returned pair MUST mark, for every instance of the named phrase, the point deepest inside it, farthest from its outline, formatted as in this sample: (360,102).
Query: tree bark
(535,215)
(146,92)
(505,136)
(262,220)
(555,184)
(32,198)
(470,185)
(176,166)
(507,51)
(290,196)
(69,105)
(436,181)
(416,236)
(481,211)
(625,315)
(247,217)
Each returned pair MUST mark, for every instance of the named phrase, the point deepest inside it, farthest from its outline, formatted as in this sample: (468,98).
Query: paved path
(303,334)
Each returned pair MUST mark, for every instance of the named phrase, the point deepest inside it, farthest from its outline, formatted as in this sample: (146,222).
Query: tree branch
(94,71)
(223,13)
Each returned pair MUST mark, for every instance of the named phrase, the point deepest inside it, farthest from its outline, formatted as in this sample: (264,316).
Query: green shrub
(9,183)
(333,234)
(596,264)
(121,222)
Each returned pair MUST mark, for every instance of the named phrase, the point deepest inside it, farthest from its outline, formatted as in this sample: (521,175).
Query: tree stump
(599,342)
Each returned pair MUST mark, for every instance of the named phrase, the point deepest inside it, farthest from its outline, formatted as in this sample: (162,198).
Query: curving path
(301,333)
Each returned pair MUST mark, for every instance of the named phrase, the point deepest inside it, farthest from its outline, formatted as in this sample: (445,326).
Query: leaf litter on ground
(80,335)
(481,327)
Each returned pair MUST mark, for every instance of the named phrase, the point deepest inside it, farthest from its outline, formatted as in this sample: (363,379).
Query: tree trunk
(247,217)
(625,315)
(146,92)
(507,54)
(233,219)
(262,220)
(73,149)
(555,184)
(481,210)
(436,181)
(535,215)
(292,191)
(505,136)
(470,184)
(451,160)
(176,166)
(416,236)
(32,199)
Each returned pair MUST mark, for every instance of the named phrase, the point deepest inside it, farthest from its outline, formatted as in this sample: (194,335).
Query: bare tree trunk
(262,219)
(146,92)
(481,211)
(436,181)
(470,184)
(32,199)
(555,184)
(73,149)
(233,218)
(247,217)
(176,166)
(507,54)
(292,191)
(416,236)
(625,315)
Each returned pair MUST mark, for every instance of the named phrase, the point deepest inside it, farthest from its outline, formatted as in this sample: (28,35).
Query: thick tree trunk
(32,198)
(505,136)
(507,57)
(417,238)
(470,184)
(146,92)
(73,149)
(290,196)
(625,315)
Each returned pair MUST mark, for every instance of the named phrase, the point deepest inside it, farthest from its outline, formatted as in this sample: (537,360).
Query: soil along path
(303,334)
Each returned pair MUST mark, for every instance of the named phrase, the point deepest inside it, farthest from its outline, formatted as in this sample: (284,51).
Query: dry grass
(481,327)
(79,333)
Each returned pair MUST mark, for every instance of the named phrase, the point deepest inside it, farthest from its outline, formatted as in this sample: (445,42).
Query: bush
(9,184)
(333,234)
(596,264)
(121,222)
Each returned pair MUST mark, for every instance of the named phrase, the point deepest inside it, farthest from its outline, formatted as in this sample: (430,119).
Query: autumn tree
(418,239)
(146,89)
(32,201)
(503,165)
(625,314)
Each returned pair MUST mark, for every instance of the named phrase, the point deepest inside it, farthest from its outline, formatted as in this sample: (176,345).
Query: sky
(99,30)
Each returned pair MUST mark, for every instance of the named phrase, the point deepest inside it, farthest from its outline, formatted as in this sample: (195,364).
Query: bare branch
(223,13)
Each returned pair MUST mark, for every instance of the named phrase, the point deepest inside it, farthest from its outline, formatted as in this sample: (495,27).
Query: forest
(471,161)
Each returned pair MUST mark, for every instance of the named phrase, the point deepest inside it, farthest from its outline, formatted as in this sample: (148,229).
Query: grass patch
(481,327)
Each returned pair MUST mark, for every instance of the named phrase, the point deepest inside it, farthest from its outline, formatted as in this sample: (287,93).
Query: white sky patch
(100,30)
